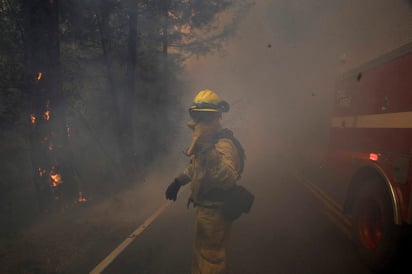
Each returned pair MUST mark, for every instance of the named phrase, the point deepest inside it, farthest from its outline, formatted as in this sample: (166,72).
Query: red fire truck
(371,150)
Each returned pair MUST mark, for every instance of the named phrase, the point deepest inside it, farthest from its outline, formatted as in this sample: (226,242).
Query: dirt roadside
(78,238)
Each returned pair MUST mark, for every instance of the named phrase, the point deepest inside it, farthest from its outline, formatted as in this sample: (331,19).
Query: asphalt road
(289,230)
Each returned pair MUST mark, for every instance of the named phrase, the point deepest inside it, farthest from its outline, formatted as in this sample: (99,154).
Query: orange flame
(32,118)
(39,75)
(56,178)
(47,115)
(81,198)
(41,171)
(185,29)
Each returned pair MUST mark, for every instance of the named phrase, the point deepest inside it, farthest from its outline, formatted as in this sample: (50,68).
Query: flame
(47,115)
(81,198)
(68,131)
(172,15)
(32,118)
(56,178)
(39,75)
(185,29)
(41,171)
(51,146)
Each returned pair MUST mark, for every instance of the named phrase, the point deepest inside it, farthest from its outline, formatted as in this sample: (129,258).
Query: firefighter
(216,161)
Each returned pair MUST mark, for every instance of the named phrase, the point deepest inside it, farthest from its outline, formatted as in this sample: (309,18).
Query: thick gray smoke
(278,74)
(279,71)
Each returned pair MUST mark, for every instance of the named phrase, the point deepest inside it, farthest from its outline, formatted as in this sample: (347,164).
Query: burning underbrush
(76,239)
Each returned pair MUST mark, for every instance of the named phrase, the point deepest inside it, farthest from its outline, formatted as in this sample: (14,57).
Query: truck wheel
(375,235)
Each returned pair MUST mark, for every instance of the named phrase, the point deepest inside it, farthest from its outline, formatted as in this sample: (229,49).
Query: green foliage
(11,66)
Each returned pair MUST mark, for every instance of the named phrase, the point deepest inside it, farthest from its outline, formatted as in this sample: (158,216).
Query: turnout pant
(210,243)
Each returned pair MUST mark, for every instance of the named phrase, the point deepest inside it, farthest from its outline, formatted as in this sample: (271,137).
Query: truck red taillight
(373,156)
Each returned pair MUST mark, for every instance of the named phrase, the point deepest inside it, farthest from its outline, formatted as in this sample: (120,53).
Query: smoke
(279,71)
(278,75)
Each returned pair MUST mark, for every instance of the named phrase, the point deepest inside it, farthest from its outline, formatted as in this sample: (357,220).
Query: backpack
(237,200)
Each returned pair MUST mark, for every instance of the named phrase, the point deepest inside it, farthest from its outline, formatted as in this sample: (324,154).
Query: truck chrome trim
(395,200)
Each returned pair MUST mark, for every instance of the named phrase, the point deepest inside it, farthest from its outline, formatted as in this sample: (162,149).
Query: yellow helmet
(208,101)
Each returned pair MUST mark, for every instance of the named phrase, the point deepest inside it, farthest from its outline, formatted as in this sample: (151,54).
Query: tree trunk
(127,144)
(165,38)
(52,169)
(101,19)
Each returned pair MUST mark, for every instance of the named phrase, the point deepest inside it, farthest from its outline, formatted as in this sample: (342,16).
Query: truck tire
(375,235)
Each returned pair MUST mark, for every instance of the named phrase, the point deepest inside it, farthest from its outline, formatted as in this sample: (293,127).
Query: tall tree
(129,95)
(141,44)
(52,170)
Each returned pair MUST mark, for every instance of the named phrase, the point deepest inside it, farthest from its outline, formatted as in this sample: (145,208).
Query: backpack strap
(228,134)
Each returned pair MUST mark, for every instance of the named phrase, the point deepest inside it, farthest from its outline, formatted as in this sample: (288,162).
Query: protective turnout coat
(215,164)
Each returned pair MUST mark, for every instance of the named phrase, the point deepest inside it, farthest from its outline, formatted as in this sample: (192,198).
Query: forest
(90,93)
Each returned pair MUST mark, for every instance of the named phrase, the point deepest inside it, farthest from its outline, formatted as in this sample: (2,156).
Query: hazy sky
(284,90)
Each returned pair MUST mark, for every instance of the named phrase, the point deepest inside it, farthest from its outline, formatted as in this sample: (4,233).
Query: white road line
(119,249)
(326,196)
(329,202)
(338,218)
(332,209)
(346,230)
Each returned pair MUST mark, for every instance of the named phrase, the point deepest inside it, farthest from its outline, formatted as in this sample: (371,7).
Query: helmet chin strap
(202,132)
(190,150)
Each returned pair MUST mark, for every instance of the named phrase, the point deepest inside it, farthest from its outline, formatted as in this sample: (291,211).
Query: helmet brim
(203,109)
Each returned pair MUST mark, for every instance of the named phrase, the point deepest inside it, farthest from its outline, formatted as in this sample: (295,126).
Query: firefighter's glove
(172,190)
